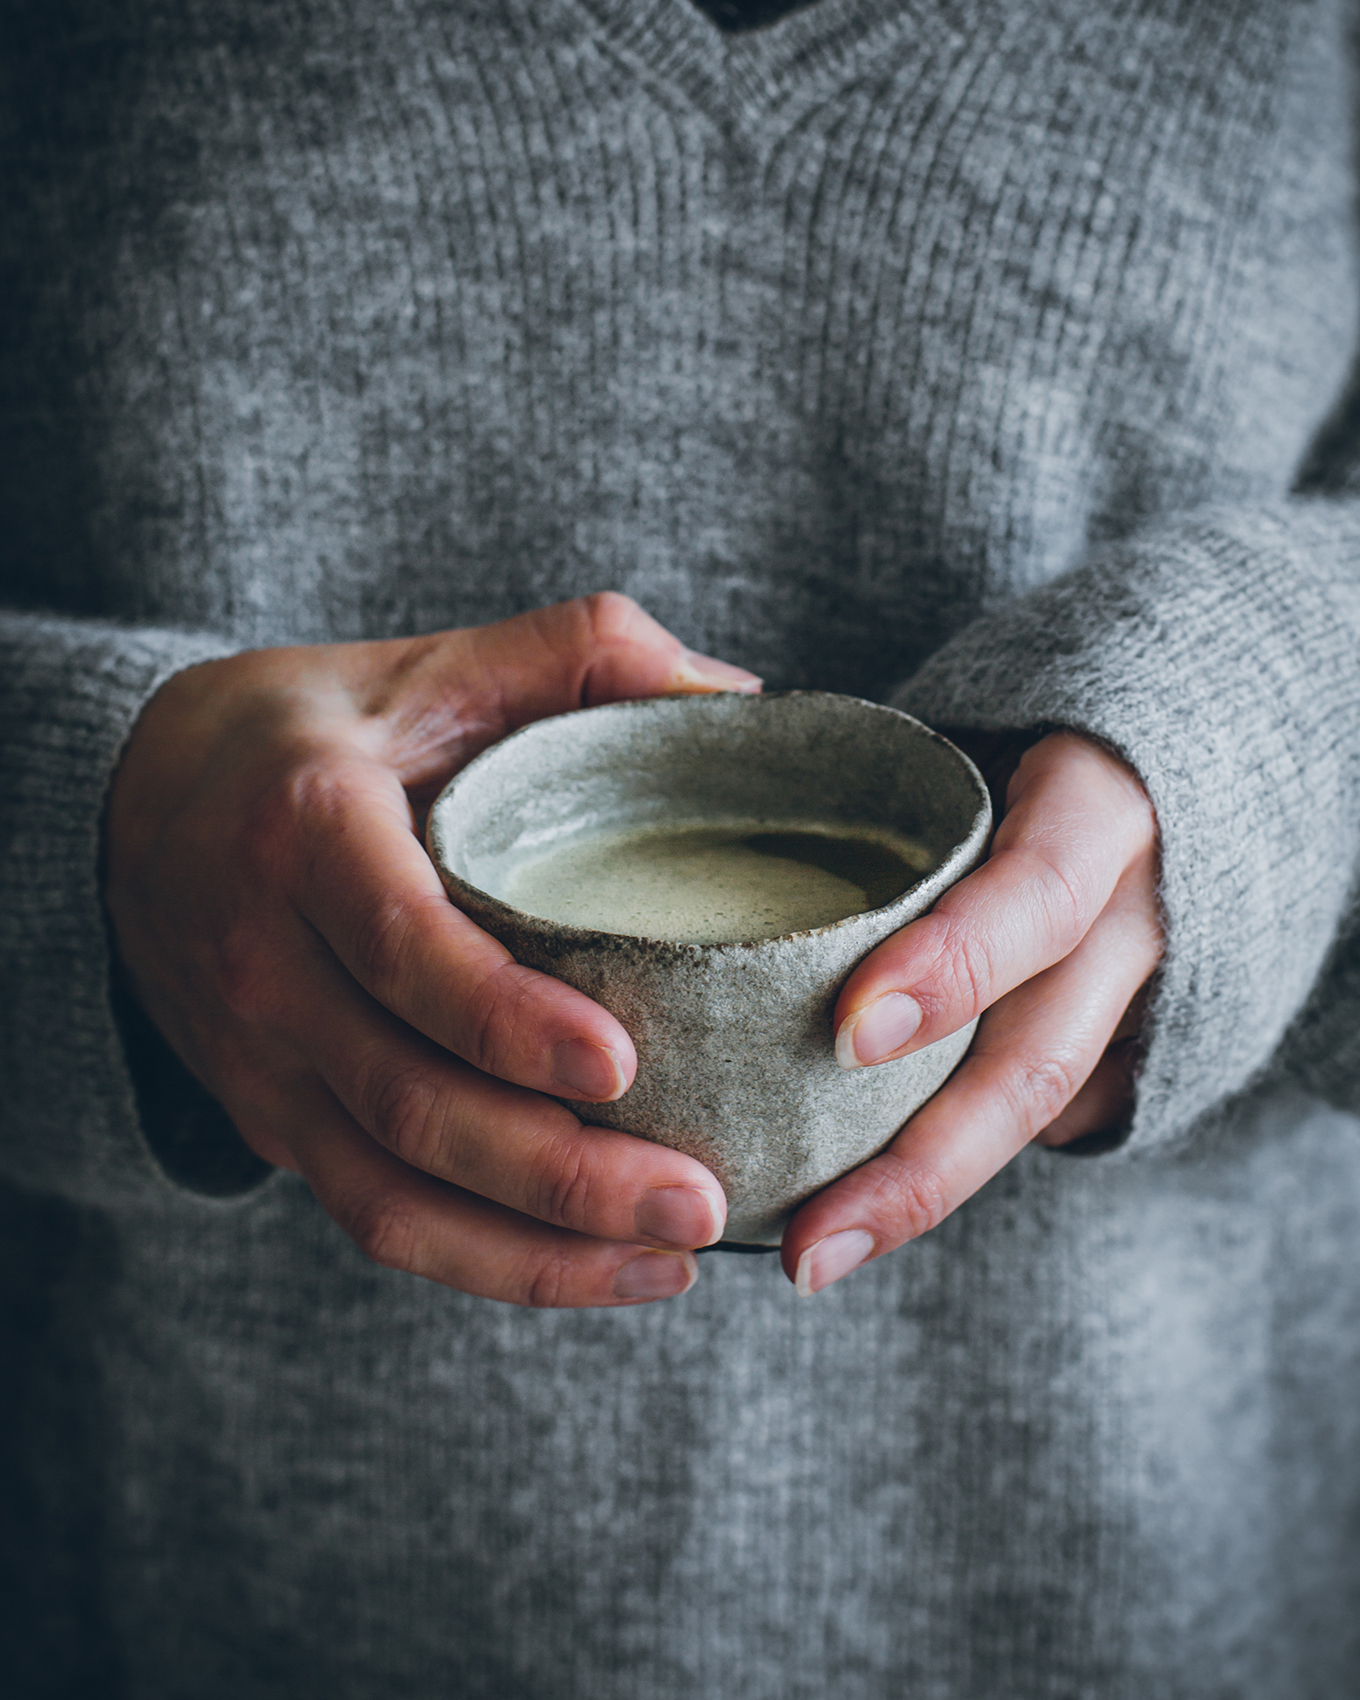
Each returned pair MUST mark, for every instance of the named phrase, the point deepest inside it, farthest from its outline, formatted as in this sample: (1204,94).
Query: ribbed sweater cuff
(1221,658)
(70,692)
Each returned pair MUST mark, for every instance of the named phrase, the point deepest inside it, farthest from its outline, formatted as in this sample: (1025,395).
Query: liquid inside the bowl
(716,884)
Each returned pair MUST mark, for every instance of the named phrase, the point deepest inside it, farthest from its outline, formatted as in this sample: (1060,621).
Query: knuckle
(965,976)
(1067,909)
(1057,900)
(922,1201)
(496,1015)
(380,940)
(1038,1090)
(609,616)
(566,1188)
(547,1283)
(404,1112)
(302,786)
(917,1198)
(384,1229)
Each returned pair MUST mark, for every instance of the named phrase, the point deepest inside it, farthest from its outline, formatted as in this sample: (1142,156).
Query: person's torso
(816,339)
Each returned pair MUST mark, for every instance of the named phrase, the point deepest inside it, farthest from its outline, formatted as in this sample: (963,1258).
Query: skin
(1052,942)
(280,922)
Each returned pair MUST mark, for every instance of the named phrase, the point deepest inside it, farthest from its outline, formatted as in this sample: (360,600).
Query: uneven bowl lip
(959,860)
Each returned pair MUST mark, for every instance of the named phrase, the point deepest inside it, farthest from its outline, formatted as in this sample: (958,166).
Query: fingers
(1033,1052)
(608,649)
(405,1220)
(1078,819)
(340,826)
(438,701)
(513,1146)
(358,874)
(1104,1103)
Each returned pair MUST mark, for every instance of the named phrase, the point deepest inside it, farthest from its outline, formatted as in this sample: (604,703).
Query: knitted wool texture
(974,346)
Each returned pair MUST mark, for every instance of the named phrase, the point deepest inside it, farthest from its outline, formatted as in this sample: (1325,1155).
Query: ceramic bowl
(736,1064)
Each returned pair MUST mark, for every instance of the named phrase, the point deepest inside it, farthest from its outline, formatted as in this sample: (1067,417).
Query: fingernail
(656,1275)
(680,1215)
(829,1259)
(582,1069)
(875,1032)
(702,672)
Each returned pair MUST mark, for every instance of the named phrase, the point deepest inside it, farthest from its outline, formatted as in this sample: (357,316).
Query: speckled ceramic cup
(735,1056)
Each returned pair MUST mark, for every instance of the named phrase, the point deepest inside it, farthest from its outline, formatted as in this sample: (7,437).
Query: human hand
(1055,936)
(282,925)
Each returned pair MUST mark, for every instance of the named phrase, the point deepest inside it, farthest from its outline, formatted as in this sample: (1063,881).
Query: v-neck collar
(745,75)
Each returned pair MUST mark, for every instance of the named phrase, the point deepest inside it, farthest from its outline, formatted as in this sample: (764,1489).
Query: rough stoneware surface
(734,1043)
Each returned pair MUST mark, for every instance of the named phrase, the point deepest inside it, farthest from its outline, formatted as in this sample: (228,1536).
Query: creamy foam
(716,884)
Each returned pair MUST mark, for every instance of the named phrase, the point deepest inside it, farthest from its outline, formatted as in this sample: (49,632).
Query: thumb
(443,698)
(596,649)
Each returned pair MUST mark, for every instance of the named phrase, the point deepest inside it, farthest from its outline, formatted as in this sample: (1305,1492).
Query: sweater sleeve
(73,1116)
(1220,656)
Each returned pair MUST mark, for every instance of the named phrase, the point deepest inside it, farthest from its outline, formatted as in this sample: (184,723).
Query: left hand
(1054,937)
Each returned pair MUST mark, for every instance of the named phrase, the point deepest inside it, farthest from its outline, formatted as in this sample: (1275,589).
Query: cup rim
(961,858)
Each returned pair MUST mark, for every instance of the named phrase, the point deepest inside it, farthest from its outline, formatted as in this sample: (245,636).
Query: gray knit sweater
(999,347)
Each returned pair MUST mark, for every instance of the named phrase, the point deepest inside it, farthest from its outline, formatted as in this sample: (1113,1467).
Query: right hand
(284,928)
